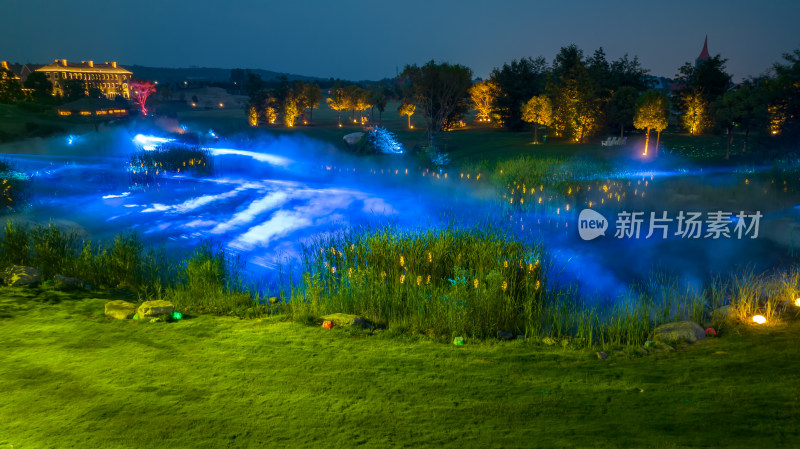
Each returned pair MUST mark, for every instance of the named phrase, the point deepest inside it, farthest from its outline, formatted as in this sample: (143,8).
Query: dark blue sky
(368,39)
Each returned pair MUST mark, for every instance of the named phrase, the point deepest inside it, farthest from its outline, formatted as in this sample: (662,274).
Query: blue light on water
(150,142)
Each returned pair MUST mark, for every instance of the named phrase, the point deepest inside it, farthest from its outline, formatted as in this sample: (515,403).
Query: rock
(663,347)
(66,283)
(688,331)
(641,351)
(120,310)
(155,308)
(19,276)
(602,355)
(548,341)
(346,320)
(353,138)
(505,335)
(723,313)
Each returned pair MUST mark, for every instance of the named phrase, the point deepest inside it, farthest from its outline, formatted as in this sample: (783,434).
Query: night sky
(370,39)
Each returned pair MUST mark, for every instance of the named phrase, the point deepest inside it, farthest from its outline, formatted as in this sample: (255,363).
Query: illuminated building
(107,77)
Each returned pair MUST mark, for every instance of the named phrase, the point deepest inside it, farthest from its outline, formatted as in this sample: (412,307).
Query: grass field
(72,378)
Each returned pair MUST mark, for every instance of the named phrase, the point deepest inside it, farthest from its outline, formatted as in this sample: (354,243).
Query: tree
(784,106)
(72,90)
(313,95)
(538,111)
(141,89)
(652,112)
(629,72)
(516,83)
(336,100)
(622,108)
(441,91)
(695,112)
(352,95)
(576,99)
(483,94)
(40,87)
(10,89)
(728,111)
(407,108)
(378,99)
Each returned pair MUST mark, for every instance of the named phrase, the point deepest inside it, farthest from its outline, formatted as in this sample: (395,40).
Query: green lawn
(71,378)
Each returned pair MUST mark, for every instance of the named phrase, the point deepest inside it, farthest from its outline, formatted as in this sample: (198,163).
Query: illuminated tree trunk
(409,121)
(339,112)
(746,136)
(310,115)
(646,141)
(535,132)
(621,131)
(658,138)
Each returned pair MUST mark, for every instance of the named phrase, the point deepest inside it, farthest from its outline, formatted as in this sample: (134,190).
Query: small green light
(135,316)
(177,315)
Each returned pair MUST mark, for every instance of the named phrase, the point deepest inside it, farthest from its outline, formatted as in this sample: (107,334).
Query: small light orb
(758,319)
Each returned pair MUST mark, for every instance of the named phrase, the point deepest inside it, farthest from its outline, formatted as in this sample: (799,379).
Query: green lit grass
(71,378)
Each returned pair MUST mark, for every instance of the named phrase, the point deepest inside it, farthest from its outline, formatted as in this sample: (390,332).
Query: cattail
(430,257)
(475,283)
(402,261)
(402,278)
(419,280)
(505,285)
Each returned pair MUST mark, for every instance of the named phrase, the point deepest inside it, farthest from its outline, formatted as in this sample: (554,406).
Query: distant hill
(169,75)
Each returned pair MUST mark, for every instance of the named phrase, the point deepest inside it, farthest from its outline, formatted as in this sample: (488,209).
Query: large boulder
(353,138)
(66,283)
(345,320)
(19,276)
(688,331)
(120,310)
(155,308)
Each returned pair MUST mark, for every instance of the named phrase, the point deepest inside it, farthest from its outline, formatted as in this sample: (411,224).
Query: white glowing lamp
(758,319)
(797,302)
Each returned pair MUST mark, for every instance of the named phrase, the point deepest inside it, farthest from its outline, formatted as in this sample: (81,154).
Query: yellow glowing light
(402,278)
(505,286)
(402,261)
(430,257)
(428,280)
(797,302)
(220,105)
(475,283)
(419,280)
(758,319)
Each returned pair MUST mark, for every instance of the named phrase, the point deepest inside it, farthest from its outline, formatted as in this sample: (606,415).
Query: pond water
(264,199)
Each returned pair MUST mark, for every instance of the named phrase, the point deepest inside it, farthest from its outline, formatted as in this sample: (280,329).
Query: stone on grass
(346,320)
(723,313)
(602,355)
(505,335)
(548,341)
(155,308)
(353,138)
(687,331)
(19,276)
(120,310)
(66,283)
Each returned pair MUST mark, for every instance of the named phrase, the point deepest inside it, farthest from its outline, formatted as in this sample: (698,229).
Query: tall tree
(483,94)
(652,112)
(538,111)
(313,95)
(10,89)
(694,108)
(784,106)
(728,111)
(441,91)
(576,103)
(622,108)
(72,90)
(407,108)
(40,87)
(337,101)
(517,82)
(378,100)
(140,91)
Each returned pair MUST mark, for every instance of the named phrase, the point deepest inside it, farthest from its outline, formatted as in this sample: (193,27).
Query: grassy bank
(71,378)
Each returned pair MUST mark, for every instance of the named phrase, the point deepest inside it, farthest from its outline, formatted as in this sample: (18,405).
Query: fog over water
(266,197)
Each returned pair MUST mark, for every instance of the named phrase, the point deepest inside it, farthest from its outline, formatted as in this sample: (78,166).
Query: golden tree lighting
(539,111)
(407,108)
(337,102)
(482,94)
(252,116)
(652,112)
(695,112)
(758,319)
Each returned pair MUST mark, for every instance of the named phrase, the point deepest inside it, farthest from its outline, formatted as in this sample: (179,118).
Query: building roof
(704,53)
(16,69)
(93,104)
(62,65)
